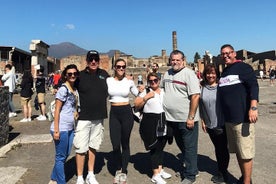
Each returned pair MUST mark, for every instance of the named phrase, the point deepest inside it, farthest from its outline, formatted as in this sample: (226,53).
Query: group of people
(227,109)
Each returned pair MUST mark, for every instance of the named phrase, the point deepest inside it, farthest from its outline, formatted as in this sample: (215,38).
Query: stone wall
(4,115)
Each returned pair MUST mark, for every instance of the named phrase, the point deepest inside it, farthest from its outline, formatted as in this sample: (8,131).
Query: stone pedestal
(4,115)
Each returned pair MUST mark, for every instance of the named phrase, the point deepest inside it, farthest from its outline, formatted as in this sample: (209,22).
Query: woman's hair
(115,63)
(27,75)
(152,74)
(208,69)
(64,72)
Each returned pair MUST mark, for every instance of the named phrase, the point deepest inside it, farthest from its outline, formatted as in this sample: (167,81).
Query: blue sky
(141,28)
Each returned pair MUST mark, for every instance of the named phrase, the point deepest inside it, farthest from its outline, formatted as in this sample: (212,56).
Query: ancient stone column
(174,39)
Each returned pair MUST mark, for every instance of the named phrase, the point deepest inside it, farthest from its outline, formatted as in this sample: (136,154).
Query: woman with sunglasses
(213,122)
(121,118)
(153,117)
(65,115)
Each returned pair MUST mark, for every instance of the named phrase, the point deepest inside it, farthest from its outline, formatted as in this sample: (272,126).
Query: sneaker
(29,119)
(123,178)
(24,120)
(158,179)
(240,181)
(12,114)
(91,180)
(42,118)
(52,182)
(217,178)
(117,177)
(165,175)
(187,181)
(38,117)
(80,180)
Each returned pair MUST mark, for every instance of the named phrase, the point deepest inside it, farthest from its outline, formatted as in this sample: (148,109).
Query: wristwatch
(191,117)
(254,108)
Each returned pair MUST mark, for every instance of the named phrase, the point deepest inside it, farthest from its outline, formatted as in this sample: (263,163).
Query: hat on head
(92,54)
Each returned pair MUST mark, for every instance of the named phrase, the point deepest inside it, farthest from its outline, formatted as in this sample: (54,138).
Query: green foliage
(196,57)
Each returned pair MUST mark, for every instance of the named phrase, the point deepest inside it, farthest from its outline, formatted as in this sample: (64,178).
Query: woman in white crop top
(154,117)
(120,118)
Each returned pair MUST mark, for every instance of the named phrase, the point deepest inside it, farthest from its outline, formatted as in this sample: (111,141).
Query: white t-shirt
(155,104)
(119,90)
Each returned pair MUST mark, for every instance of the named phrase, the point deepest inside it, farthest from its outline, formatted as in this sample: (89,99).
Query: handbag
(137,114)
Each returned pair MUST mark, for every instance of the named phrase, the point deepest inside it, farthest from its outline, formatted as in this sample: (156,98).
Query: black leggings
(157,153)
(120,126)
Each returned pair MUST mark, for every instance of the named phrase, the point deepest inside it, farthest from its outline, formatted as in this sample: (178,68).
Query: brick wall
(4,115)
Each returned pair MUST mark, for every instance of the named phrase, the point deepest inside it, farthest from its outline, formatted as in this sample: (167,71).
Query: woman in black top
(26,95)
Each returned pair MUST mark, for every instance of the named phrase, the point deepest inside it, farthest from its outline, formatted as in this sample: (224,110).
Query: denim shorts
(88,134)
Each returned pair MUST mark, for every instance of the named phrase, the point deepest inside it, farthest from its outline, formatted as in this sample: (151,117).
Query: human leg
(62,149)
(222,154)
(11,106)
(190,141)
(29,110)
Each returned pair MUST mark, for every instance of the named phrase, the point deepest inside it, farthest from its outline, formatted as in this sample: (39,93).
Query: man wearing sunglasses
(181,98)
(239,91)
(89,131)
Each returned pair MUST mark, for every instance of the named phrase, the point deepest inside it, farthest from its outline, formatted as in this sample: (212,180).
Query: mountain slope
(65,49)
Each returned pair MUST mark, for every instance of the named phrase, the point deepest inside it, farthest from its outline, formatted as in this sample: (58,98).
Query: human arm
(192,110)
(58,106)
(140,101)
(253,112)
(203,126)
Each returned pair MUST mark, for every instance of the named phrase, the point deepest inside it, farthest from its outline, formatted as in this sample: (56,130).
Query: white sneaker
(38,117)
(165,175)
(12,114)
(91,179)
(80,181)
(158,179)
(29,119)
(42,118)
(24,120)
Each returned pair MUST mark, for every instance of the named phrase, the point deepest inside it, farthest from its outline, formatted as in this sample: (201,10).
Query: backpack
(138,113)
(52,107)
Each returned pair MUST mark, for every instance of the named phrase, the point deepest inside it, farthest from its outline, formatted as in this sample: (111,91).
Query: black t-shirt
(93,94)
(40,84)
(26,87)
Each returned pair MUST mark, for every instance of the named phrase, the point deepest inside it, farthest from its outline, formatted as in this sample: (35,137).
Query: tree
(196,57)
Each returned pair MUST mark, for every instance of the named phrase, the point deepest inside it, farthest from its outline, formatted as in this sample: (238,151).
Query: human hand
(56,135)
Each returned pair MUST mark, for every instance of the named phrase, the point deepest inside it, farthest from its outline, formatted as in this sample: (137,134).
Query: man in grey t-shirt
(182,91)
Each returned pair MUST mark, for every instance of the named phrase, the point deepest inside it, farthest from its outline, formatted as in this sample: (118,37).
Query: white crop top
(119,90)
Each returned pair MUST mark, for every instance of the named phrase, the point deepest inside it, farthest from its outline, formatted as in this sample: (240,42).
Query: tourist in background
(213,122)
(89,131)
(9,80)
(272,75)
(26,95)
(40,90)
(120,118)
(239,95)
(181,98)
(153,116)
(62,128)
(155,68)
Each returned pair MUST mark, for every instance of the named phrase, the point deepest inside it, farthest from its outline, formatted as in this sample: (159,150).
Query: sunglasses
(71,74)
(120,66)
(226,53)
(94,59)
(153,81)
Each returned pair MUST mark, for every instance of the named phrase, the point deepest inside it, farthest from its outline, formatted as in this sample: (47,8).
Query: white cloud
(70,26)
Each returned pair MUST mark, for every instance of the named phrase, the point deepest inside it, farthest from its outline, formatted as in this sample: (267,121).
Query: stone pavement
(29,156)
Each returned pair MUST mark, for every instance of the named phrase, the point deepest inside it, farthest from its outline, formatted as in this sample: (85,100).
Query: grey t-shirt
(178,89)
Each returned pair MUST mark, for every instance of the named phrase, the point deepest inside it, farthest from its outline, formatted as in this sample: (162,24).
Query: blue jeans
(187,141)
(63,148)
(11,106)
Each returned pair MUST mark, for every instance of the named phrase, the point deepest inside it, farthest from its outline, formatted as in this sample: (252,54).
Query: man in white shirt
(9,80)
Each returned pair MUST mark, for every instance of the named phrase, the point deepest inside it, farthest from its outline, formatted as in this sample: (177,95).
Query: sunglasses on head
(153,81)
(71,74)
(120,66)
